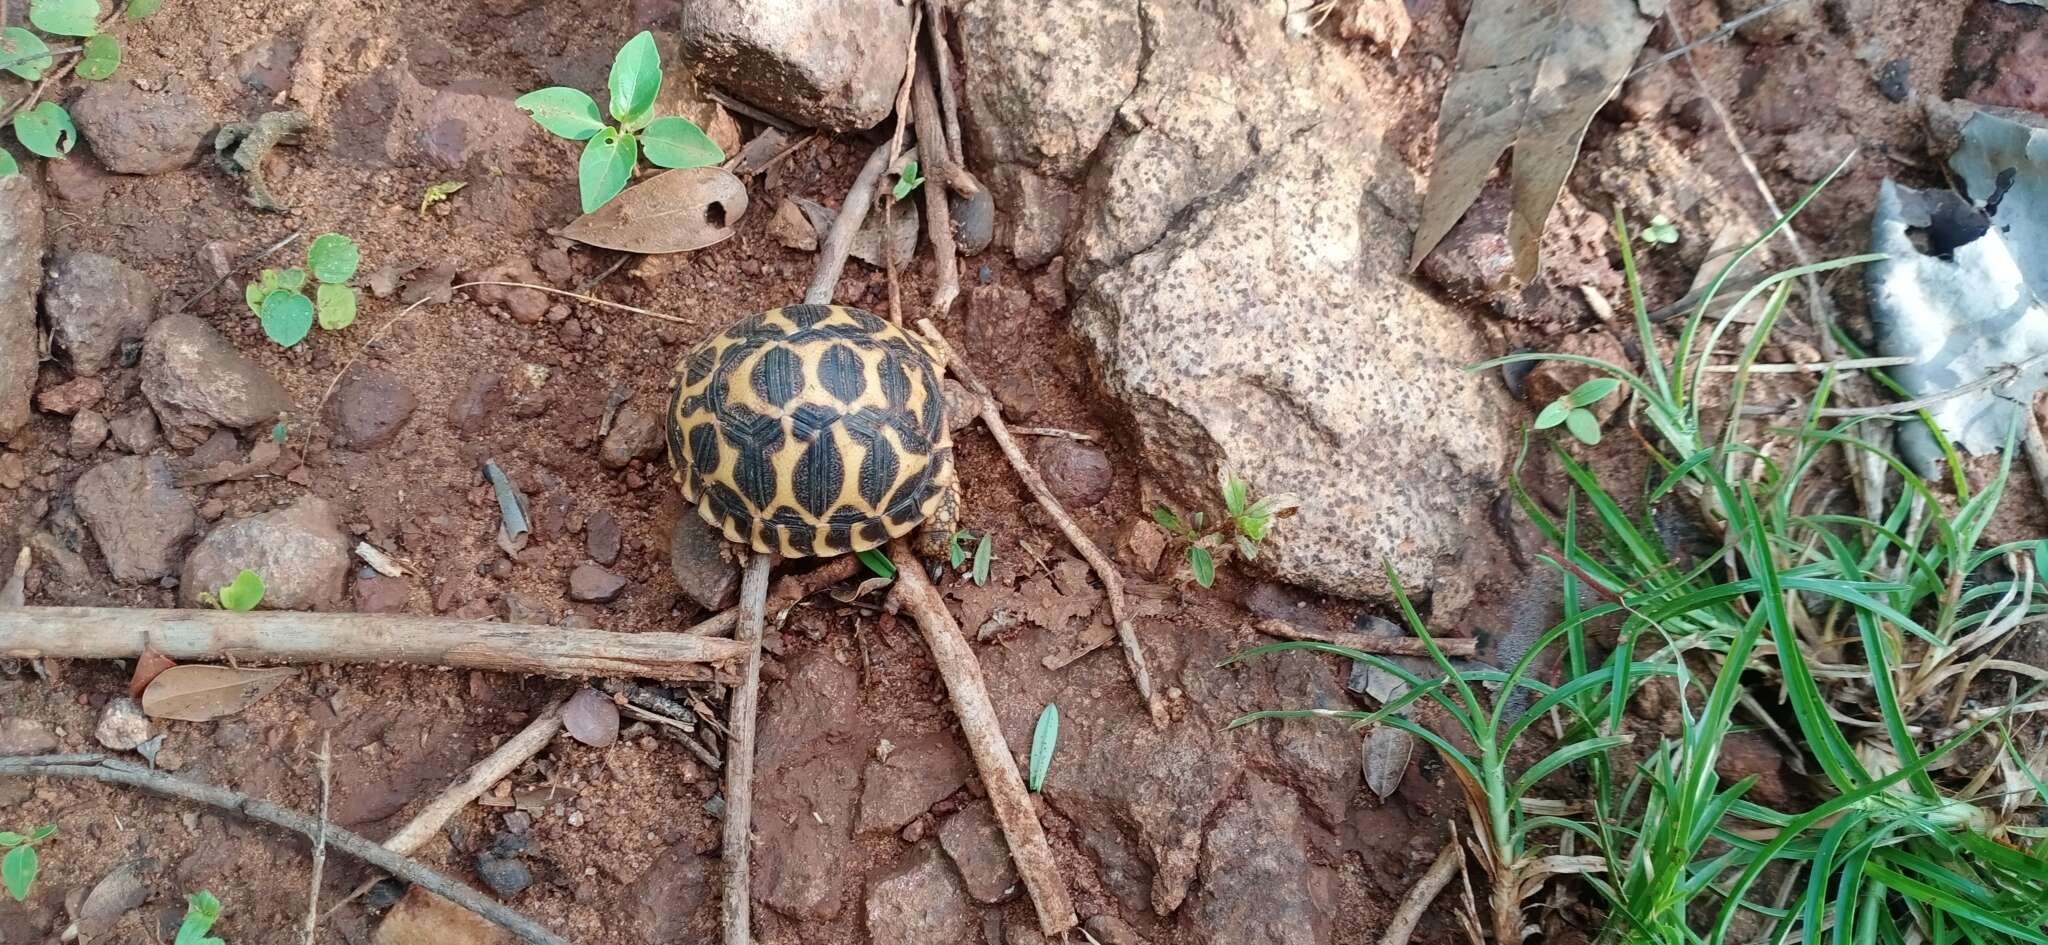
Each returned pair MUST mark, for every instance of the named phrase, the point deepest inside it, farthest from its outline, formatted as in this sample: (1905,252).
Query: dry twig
(896,161)
(1424,892)
(320,837)
(495,767)
(739,753)
(1452,647)
(938,216)
(942,63)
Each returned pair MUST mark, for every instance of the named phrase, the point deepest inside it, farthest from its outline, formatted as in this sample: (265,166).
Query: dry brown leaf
(671,212)
(148,667)
(1387,753)
(13,589)
(195,693)
(1531,73)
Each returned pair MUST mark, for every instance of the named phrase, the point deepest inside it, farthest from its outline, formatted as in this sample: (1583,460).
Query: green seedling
(242,594)
(1660,232)
(878,562)
(613,151)
(279,300)
(45,128)
(983,554)
(1043,740)
(18,868)
(1245,524)
(907,180)
(1571,410)
(438,192)
(202,910)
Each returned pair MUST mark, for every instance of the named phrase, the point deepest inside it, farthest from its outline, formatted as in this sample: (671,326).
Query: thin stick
(968,690)
(895,161)
(481,777)
(739,754)
(738,107)
(1424,892)
(942,62)
(2002,374)
(1720,32)
(1810,367)
(838,242)
(1112,580)
(247,261)
(114,771)
(278,636)
(938,216)
(1055,432)
(1453,647)
(320,838)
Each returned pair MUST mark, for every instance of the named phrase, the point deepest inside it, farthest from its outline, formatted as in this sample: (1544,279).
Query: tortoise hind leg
(937,532)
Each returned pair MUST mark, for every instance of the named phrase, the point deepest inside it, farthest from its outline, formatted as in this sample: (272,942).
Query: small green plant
(241,594)
(984,553)
(18,868)
(1044,739)
(1571,410)
(278,296)
(45,128)
(436,193)
(202,910)
(907,180)
(1660,232)
(1245,524)
(878,562)
(613,151)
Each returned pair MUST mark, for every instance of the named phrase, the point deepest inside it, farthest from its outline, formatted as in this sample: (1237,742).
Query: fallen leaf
(423,918)
(1387,753)
(111,898)
(591,718)
(671,212)
(867,241)
(1531,73)
(197,693)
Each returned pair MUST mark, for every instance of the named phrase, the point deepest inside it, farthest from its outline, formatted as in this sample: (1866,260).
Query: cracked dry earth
(1199,262)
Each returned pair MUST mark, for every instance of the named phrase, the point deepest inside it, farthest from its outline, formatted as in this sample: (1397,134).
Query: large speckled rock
(1043,81)
(831,65)
(21,277)
(300,551)
(196,380)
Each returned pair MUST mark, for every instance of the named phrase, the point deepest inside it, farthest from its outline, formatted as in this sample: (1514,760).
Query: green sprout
(278,296)
(878,562)
(19,867)
(612,152)
(907,180)
(983,555)
(1245,525)
(1660,232)
(436,193)
(1571,410)
(202,910)
(1044,738)
(242,594)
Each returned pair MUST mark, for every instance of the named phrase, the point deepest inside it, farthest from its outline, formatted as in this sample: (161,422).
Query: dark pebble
(1891,79)
(507,878)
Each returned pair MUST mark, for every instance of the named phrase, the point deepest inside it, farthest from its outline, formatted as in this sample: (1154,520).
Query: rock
(829,65)
(1788,22)
(697,555)
(526,306)
(1894,80)
(196,380)
(422,918)
(78,179)
(121,726)
(523,609)
(377,594)
(1744,754)
(1259,886)
(88,431)
(506,877)
(1043,83)
(134,431)
(590,584)
(601,537)
(974,841)
(12,471)
(300,550)
(369,407)
(1110,930)
(19,736)
(919,904)
(1382,22)
(1078,473)
(136,132)
(2000,53)
(137,515)
(591,717)
(21,279)
(791,228)
(1140,544)
(921,772)
(806,784)
(636,434)
(482,396)
(96,306)
(674,900)
(1042,215)
(71,396)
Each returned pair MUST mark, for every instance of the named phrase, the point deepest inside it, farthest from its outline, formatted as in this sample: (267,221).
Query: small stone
(919,904)
(554,262)
(506,877)
(914,831)
(1079,474)
(676,895)
(697,557)
(591,717)
(369,407)
(635,434)
(137,516)
(526,306)
(522,609)
(833,65)
(300,550)
(12,472)
(378,594)
(1140,544)
(974,841)
(1893,78)
(88,431)
(121,726)
(482,396)
(601,537)
(422,918)
(71,396)
(197,380)
(133,131)
(590,584)
(1110,930)
(19,736)
(791,228)
(134,431)
(96,306)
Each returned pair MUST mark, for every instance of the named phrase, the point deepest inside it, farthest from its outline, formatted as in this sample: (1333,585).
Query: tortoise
(814,430)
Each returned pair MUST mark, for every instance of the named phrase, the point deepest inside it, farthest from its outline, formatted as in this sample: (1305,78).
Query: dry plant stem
(277,636)
(1452,647)
(114,771)
(320,838)
(968,690)
(938,216)
(1424,892)
(838,242)
(247,261)
(942,65)
(896,161)
(2037,458)
(788,591)
(739,753)
(1112,579)
(495,767)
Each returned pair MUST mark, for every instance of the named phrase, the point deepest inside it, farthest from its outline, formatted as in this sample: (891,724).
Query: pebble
(137,516)
(369,407)
(601,538)
(96,306)
(1140,544)
(974,841)
(71,396)
(526,306)
(197,380)
(636,433)
(12,471)
(1892,80)
(591,717)
(1078,473)
(482,396)
(121,726)
(697,558)
(19,736)
(134,431)
(133,131)
(1110,930)
(590,584)
(521,609)
(505,877)
(88,431)
(300,550)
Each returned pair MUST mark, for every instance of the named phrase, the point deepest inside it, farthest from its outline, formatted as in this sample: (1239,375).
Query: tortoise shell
(811,430)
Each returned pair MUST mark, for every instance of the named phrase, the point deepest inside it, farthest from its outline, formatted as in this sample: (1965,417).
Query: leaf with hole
(563,111)
(141,9)
(101,57)
(878,562)
(333,258)
(983,553)
(1204,565)
(18,870)
(671,212)
(244,593)
(1583,425)
(678,142)
(635,81)
(46,129)
(606,166)
(198,693)
(24,53)
(1593,391)
(65,17)
(335,306)
(1044,739)
(286,317)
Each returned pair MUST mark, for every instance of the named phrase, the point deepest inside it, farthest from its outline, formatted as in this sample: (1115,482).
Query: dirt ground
(417,93)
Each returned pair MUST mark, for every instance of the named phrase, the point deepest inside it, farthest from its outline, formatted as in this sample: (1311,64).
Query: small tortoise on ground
(814,430)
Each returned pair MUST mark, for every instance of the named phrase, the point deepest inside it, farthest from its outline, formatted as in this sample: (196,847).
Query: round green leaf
(563,111)
(9,838)
(1583,425)
(7,165)
(606,166)
(636,78)
(337,306)
(293,278)
(245,593)
(141,9)
(101,57)
(253,294)
(18,870)
(24,53)
(46,129)
(42,833)
(1553,414)
(286,317)
(65,17)
(678,142)
(333,258)
(1592,391)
